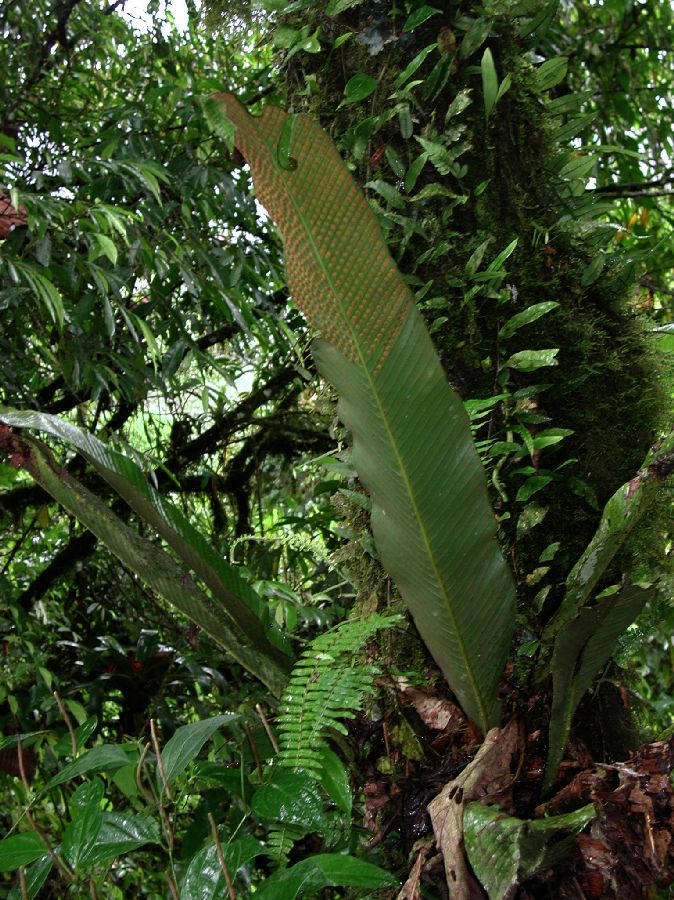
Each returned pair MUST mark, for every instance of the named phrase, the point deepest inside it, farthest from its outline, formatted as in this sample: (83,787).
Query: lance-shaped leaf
(238,600)
(581,648)
(431,518)
(152,565)
(624,510)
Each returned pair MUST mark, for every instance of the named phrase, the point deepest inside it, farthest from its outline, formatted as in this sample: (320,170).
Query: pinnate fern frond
(280,841)
(327,685)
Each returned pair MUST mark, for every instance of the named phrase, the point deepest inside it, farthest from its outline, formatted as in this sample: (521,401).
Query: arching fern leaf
(327,685)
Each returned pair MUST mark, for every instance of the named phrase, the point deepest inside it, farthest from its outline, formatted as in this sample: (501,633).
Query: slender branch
(67,720)
(221,856)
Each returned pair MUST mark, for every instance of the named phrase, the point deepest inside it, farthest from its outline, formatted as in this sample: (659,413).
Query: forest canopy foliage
(211,686)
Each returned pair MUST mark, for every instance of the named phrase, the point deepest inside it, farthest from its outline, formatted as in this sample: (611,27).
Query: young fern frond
(327,685)
(280,841)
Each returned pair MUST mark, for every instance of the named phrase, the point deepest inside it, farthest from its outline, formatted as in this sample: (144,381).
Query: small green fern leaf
(280,841)
(327,685)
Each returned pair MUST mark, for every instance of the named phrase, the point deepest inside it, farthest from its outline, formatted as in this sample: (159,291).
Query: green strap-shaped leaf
(582,647)
(238,600)
(624,510)
(154,567)
(413,450)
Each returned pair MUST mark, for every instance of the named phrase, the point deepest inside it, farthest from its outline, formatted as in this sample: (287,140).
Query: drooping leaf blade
(413,450)
(622,513)
(505,851)
(152,565)
(186,743)
(581,648)
(239,606)
(325,870)
(19,850)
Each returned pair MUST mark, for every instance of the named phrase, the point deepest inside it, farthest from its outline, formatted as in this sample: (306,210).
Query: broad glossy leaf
(581,648)
(185,744)
(292,798)
(121,833)
(504,851)
(36,875)
(413,450)
(530,360)
(204,878)
(106,758)
(358,87)
(323,871)
(81,834)
(86,794)
(19,850)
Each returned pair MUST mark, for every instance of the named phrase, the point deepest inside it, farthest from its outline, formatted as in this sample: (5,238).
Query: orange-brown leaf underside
(342,277)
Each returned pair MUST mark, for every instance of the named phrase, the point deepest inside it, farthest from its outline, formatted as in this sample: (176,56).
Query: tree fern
(327,685)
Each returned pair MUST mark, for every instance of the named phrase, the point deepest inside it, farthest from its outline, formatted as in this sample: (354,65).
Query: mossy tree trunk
(464,142)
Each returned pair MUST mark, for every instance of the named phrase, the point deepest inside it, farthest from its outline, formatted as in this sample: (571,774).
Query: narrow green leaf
(622,513)
(526,317)
(388,192)
(460,102)
(414,171)
(44,290)
(217,121)
(531,486)
(582,648)
(412,66)
(419,16)
(573,128)
(105,758)
(476,35)
(489,81)
(335,7)
(530,360)
(285,160)
(593,270)
(497,262)
(413,449)
(185,744)
(568,103)
(504,87)
(234,621)
(19,850)
(405,119)
(551,72)
(103,246)
(358,87)
(335,779)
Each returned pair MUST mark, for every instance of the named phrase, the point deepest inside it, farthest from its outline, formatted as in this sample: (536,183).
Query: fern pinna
(327,685)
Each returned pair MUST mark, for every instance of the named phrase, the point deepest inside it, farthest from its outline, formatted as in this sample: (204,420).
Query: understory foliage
(253,639)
